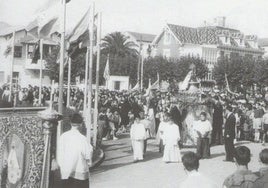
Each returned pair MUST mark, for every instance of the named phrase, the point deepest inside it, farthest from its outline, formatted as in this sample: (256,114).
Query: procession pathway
(119,171)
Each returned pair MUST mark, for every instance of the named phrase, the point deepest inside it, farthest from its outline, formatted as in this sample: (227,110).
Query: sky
(150,16)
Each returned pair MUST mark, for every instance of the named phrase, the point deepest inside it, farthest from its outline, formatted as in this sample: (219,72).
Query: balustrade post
(50,120)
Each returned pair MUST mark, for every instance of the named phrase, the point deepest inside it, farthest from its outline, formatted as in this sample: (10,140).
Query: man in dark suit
(229,134)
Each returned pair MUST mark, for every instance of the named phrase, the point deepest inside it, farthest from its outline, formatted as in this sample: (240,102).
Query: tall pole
(141,72)
(61,74)
(86,82)
(91,38)
(41,72)
(69,81)
(97,80)
(11,67)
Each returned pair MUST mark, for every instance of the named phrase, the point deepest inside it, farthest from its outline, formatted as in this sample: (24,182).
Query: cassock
(137,135)
(171,137)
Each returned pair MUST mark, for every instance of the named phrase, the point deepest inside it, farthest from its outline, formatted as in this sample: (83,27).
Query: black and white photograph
(133,94)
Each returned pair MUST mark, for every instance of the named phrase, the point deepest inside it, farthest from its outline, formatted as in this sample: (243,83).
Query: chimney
(220,21)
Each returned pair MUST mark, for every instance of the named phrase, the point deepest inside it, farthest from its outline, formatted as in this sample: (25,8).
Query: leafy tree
(117,45)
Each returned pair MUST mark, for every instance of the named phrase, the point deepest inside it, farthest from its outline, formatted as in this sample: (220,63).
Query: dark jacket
(262,182)
(229,127)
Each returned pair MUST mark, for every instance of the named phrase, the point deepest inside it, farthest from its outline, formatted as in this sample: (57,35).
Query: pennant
(36,52)
(106,73)
(136,87)
(185,83)
(157,82)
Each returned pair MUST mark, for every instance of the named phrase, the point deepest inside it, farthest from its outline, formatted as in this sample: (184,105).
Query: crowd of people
(229,118)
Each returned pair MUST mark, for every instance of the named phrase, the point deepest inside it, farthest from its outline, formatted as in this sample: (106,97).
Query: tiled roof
(185,34)
(203,35)
(144,37)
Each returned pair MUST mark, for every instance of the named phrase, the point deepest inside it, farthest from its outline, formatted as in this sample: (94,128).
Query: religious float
(191,101)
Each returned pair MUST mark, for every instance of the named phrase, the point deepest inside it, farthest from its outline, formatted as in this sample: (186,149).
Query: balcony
(34,66)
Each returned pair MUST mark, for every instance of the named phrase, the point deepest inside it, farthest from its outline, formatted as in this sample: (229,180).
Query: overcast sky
(249,16)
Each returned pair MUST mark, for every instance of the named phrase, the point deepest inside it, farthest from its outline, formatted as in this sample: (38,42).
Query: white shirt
(137,131)
(197,180)
(202,127)
(171,134)
(74,154)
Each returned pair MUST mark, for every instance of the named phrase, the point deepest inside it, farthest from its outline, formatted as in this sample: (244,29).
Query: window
(30,51)
(226,39)
(117,85)
(18,51)
(167,38)
(15,77)
(166,53)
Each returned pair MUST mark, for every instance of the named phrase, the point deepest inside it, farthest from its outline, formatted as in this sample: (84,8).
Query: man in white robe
(171,137)
(137,135)
(74,156)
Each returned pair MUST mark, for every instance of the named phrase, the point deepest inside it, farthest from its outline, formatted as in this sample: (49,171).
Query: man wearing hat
(75,155)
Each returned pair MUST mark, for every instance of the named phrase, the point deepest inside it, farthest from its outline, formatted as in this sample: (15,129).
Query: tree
(117,45)
(241,70)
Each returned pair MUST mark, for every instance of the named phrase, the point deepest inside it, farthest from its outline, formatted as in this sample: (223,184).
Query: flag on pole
(106,73)
(157,82)
(136,87)
(185,83)
(147,93)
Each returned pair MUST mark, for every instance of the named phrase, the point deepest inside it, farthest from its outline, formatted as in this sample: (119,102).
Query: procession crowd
(228,119)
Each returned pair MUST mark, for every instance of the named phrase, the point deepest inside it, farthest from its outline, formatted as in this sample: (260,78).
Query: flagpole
(91,37)
(141,72)
(41,72)
(85,85)
(97,80)
(61,74)
(69,81)
(11,68)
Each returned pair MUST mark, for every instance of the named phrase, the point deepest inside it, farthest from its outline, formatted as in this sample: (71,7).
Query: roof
(28,39)
(207,35)
(142,37)
(263,42)
(6,29)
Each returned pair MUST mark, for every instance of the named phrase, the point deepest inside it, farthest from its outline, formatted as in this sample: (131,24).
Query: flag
(136,87)
(45,20)
(185,83)
(157,82)
(106,73)
(36,52)
(8,47)
(147,93)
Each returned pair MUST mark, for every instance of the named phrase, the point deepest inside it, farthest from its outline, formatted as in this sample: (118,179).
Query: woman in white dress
(137,135)
(171,138)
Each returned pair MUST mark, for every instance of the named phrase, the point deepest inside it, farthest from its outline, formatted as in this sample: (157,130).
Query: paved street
(118,171)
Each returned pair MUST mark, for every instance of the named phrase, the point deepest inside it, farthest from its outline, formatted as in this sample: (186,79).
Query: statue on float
(191,102)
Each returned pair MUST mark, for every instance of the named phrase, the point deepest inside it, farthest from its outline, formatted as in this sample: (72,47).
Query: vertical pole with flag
(106,72)
(91,39)
(11,67)
(86,83)
(69,81)
(61,74)
(97,80)
(142,72)
(41,71)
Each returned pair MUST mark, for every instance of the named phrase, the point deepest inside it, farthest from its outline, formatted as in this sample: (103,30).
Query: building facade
(25,70)
(207,42)
(263,43)
(143,42)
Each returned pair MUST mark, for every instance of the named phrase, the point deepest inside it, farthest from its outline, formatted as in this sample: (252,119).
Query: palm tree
(117,44)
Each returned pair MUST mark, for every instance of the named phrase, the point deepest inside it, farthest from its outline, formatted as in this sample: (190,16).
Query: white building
(143,42)
(24,69)
(118,83)
(263,43)
(207,42)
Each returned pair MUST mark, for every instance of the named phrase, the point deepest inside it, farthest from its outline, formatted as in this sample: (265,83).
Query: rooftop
(142,37)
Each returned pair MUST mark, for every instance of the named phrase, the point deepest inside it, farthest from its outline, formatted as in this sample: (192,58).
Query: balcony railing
(35,66)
